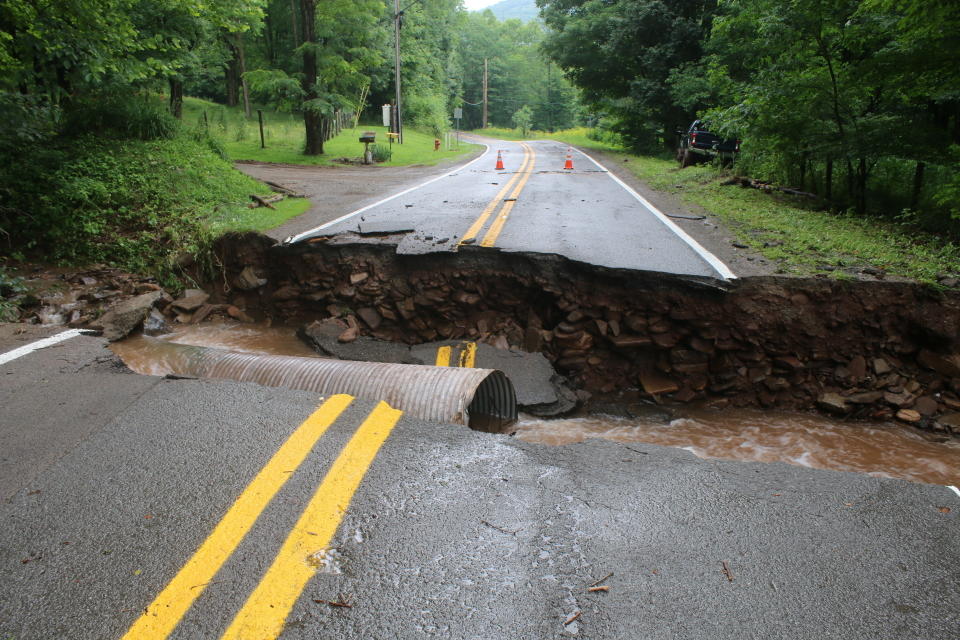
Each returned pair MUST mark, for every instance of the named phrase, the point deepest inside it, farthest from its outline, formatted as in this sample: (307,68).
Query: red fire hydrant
(436,144)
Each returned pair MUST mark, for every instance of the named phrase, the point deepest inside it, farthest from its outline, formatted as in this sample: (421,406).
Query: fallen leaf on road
(572,618)
(600,588)
(593,584)
(341,602)
(726,570)
(943,509)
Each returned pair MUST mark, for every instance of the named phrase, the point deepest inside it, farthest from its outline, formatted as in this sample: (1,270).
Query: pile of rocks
(114,302)
(77,298)
(858,349)
(154,309)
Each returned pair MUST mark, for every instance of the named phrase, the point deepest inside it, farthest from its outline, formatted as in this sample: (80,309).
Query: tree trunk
(293,22)
(176,97)
(269,38)
(862,186)
(828,181)
(232,74)
(311,118)
(917,185)
(851,189)
(243,81)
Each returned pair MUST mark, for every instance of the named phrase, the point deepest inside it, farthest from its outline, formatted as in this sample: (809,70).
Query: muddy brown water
(880,449)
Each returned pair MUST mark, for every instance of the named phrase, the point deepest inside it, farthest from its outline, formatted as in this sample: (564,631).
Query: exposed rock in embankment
(854,348)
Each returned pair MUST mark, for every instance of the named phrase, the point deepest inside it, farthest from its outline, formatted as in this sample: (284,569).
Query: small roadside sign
(457,113)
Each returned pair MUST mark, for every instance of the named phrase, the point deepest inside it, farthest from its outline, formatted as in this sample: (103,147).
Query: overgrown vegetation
(10,288)
(137,196)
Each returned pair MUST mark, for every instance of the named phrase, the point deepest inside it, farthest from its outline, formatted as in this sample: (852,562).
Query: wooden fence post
(263,144)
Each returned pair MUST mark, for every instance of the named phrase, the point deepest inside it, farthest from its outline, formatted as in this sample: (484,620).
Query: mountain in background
(524,10)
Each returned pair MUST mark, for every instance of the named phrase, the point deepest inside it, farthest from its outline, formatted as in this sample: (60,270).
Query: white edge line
(954,489)
(711,259)
(301,236)
(39,344)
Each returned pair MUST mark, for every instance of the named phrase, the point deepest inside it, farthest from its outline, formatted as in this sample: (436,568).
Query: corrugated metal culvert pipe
(484,399)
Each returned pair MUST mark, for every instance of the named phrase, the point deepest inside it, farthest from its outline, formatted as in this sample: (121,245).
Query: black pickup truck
(697,143)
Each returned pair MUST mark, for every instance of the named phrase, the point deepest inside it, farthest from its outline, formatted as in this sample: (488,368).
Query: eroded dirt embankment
(878,349)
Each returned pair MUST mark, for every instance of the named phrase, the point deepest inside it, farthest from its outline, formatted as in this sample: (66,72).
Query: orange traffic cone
(569,163)
(499,166)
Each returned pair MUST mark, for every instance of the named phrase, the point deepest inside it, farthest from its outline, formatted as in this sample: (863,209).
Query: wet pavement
(451,533)
(533,205)
(883,449)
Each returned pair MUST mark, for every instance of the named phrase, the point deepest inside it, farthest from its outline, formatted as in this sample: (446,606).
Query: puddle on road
(887,450)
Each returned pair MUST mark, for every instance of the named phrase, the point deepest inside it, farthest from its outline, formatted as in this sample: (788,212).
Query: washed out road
(534,204)
(206,509)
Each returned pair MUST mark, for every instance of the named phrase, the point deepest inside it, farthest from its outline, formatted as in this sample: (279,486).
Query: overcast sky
(473,5)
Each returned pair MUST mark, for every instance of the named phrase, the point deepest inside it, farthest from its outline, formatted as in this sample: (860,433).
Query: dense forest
(98,160)
(857,101)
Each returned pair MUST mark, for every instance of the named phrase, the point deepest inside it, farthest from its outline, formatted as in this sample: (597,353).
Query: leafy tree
(519,74)
(56,47)
(340,39)
(522,119)
(824,88)
(620,53)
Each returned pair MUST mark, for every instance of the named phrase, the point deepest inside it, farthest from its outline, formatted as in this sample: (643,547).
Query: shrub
(137,117)
(381,153)
(10,287)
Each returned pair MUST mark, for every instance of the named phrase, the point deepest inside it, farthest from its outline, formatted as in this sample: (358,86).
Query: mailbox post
(366,139)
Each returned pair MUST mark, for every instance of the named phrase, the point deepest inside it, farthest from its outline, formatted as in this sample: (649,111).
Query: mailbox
(368,136)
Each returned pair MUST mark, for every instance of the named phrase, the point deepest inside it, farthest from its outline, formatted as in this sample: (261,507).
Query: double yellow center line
(466,360)
(517,183)
(266,610)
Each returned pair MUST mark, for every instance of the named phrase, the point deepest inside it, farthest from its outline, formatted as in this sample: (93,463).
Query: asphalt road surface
(534,204)
(142,507)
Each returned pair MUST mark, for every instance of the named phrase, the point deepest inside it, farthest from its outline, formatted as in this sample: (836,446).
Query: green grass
(798,236)
(284,138)
(259,219)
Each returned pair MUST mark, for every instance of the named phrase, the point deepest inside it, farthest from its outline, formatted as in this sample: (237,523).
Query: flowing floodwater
(886,450)
(148,355)
(880,449)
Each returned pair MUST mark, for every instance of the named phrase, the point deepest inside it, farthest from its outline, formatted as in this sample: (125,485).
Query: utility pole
(486,82)
(396,55)
(549,101)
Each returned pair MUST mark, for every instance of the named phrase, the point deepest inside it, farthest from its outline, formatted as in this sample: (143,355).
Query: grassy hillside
(96,197)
